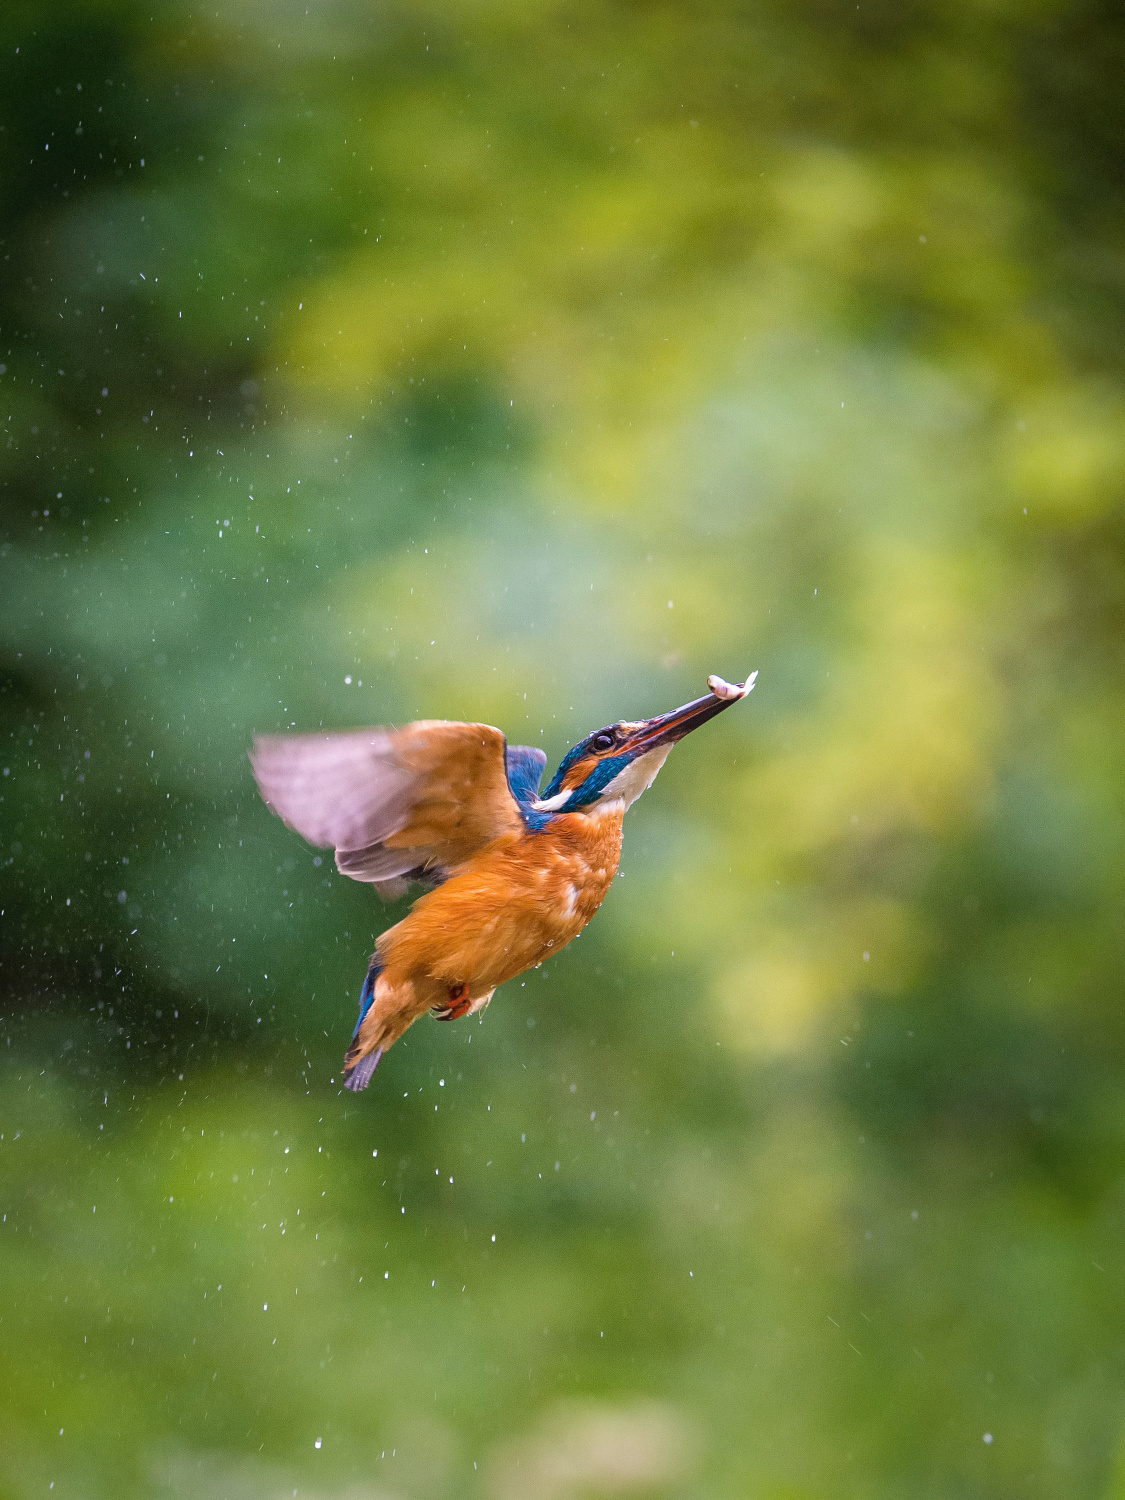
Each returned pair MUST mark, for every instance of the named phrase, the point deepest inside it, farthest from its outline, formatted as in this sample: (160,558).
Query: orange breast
(514,904)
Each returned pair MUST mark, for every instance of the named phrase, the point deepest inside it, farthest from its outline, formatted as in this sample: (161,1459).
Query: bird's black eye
(603,742)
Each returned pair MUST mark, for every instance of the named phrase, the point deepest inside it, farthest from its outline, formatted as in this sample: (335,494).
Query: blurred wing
(395,804)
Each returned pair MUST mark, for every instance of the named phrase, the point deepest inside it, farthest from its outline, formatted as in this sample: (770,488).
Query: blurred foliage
(527,363)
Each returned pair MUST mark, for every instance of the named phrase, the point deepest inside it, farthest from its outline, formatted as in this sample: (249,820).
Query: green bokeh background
(527,362)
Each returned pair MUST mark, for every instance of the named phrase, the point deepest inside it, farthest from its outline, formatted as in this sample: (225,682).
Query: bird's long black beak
(666,729)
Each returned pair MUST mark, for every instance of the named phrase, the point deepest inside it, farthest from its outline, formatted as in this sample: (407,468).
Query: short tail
(359,1076)
(358,1071)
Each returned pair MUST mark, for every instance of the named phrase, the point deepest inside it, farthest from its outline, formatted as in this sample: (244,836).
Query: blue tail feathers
(357,1074)
(360,1075)
(367,993)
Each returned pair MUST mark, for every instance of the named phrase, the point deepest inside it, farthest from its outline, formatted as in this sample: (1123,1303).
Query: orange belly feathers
(516,903)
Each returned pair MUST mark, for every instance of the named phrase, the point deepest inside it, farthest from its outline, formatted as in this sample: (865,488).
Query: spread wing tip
(396,804)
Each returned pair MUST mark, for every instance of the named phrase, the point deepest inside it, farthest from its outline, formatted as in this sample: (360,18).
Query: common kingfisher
(513,875)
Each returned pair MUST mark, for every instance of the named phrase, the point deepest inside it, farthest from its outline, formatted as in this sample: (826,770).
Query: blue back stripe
(367,995)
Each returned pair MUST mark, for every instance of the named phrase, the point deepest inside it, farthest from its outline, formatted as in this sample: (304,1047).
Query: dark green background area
(361,363)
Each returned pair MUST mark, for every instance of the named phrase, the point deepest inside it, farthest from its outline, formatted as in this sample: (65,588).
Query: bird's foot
(459,1004)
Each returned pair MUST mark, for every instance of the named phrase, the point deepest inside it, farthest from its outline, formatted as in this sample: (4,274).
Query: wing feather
(393,803)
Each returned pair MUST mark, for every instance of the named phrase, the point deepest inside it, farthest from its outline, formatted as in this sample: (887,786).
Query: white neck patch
(553,804)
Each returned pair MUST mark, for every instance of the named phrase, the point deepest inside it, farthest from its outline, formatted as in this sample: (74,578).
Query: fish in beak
(666,729)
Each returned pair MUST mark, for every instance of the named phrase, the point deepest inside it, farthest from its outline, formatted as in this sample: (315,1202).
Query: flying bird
(514,874)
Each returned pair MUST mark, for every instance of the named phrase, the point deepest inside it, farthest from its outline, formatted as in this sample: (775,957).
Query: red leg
(459,1003)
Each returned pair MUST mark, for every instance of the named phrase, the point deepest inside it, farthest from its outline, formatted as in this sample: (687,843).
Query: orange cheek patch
(578,772)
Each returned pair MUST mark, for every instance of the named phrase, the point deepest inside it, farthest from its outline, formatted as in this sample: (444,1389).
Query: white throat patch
(637,777)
